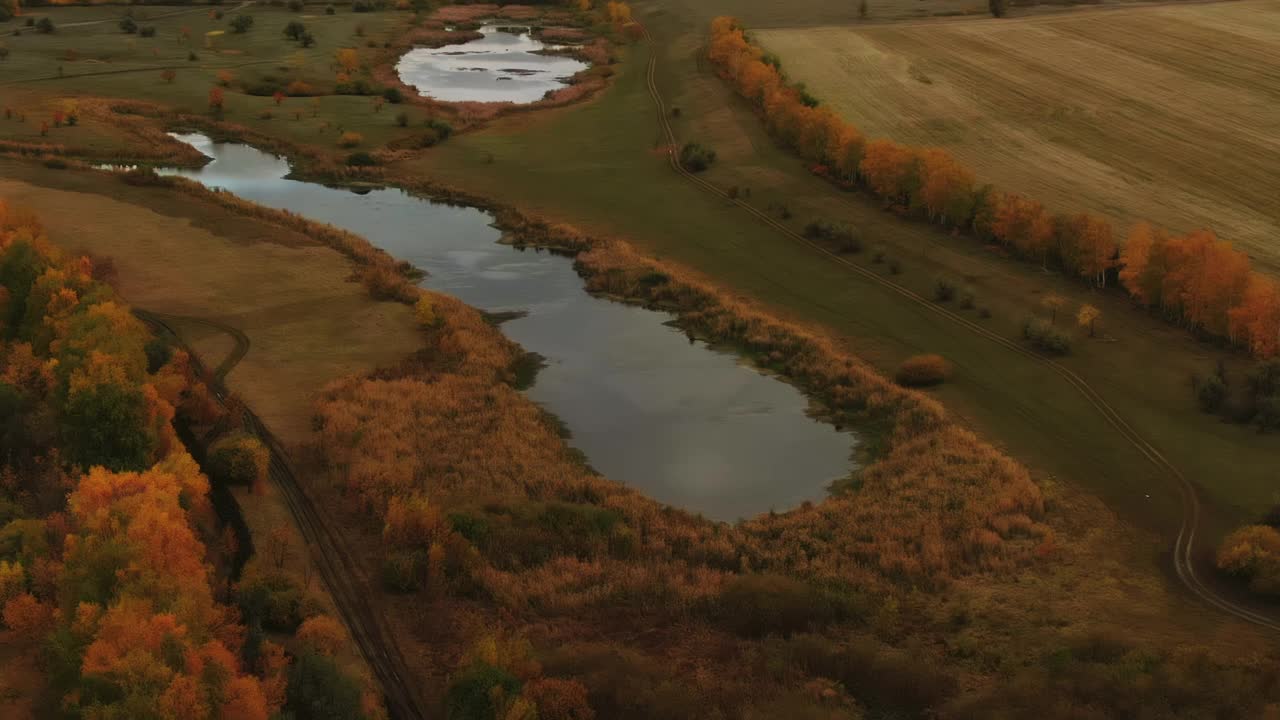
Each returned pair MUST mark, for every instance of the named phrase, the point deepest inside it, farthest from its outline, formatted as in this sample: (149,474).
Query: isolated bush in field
(168,75)
(393,95)
(147,31)
(128,25)
(402,119)
(1252,553)
(1087,318)
(696,158)
(216,99)
(350,139)
(425,312)
(441,127)
(45,26)
(923,371)
(295,5)
(239,459)
(240,24)
(294,30)
(943,291)
(1044,336)
(998,8)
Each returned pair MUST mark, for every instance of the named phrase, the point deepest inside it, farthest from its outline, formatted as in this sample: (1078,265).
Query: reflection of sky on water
(686,424)
(501,66)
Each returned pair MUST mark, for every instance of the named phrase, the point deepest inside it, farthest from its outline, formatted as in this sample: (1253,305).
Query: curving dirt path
(337,568)
(1184,544)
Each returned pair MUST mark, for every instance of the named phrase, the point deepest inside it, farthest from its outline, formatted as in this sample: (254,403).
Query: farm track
(1184,544)
(337,568)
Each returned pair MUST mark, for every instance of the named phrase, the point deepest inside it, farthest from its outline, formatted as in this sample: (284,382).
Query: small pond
(685,423)
(503,66)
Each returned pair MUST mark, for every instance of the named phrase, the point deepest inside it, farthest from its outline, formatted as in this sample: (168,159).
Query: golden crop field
(1168,113)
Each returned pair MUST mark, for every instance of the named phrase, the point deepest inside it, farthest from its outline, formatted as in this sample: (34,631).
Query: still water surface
(500,67)
(683,422)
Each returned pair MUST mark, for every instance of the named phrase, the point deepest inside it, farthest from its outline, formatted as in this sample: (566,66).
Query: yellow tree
(348,60)
(1087,318)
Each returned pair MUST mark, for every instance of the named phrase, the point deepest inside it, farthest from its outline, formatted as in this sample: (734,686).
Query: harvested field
(1165,113)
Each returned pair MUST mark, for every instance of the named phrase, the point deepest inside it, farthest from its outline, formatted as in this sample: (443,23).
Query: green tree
(106,424)
(319,690)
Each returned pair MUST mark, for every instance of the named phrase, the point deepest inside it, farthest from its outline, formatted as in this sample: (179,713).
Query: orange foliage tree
(1197,279)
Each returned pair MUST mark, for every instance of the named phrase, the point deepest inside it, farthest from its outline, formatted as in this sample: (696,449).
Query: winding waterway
(683,422)
(502,66)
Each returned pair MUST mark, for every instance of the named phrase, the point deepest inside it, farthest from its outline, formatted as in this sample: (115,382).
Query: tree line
(109,546)
(1197,279)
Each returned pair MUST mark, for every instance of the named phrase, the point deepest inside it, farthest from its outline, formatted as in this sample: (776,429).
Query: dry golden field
(306,321)
(1170,113)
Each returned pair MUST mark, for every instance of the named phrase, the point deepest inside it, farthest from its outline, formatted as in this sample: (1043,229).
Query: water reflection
(501,66)
(686,424)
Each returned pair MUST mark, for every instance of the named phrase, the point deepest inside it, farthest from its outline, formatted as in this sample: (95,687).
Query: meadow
(1162,114)
(564,555)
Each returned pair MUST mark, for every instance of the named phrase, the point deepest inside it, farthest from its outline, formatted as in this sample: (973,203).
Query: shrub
(273,600)
(238,459)
(403,570)
(147,31)
(45,26)
(923,371)
(393,95)
(895,267)
(319,689)
(295,30)
(329,10)
(192,56)
(1252,553)
(295,5)
(1211,393)
(402,119)
(1044,336)
(967,299)
(240,24)
(769,604)
(128,25)
(350,139)
(478,693)
(442,128)
(696,158)
(943,291)
(361,159)
(56,164)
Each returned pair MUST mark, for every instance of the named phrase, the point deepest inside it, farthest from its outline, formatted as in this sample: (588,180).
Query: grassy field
(182,256)
(110,63)
(1168,114)
(598,165)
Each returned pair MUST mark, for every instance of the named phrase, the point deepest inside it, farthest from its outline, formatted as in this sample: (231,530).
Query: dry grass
(252,275)
(1167,113)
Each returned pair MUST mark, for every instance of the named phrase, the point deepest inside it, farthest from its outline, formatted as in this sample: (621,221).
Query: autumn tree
(1052,304)
(348,60)
(946,187)
(322,634)
(215,99)
(1255,322)
(1023,224)
(891,170)
(1087,318)
(168,75)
